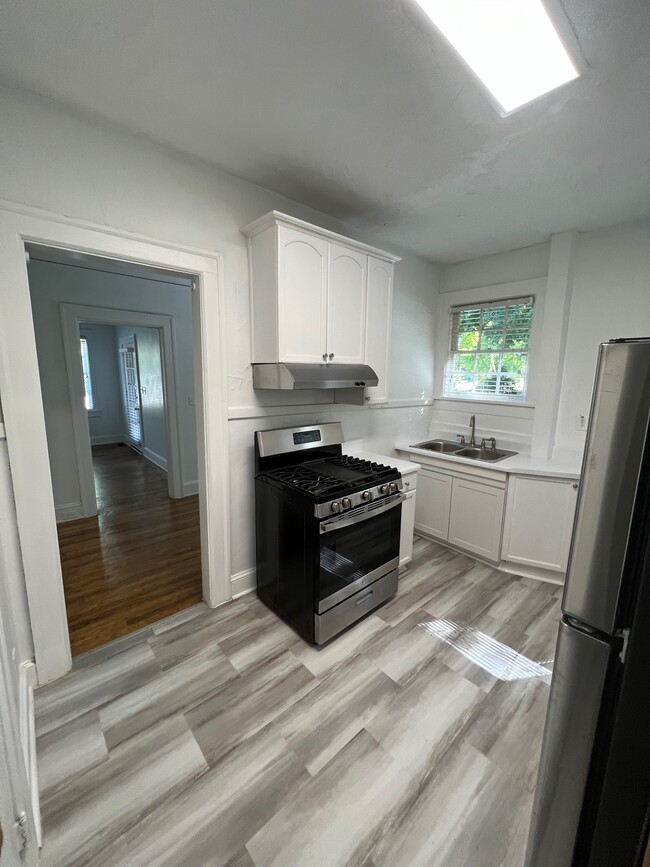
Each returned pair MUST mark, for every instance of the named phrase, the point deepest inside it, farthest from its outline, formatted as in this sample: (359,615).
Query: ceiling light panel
(511,45)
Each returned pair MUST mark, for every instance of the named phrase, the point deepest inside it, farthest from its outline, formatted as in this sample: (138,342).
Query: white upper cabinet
(317,297)
(378,324)
(302,296)
(346,305)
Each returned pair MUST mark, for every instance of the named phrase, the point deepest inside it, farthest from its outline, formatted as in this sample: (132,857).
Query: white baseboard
(27,682)
(551,576)
(190,488)
(107,439)
(68,512)
(242,582)
(155,458)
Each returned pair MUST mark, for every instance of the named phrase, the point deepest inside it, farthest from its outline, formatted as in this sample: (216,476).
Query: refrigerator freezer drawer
(579,672)
(610,476)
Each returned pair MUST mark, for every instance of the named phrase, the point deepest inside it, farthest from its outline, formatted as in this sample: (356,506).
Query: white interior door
(131,392)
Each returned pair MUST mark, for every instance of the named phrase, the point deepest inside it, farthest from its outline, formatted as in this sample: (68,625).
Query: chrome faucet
(472,424)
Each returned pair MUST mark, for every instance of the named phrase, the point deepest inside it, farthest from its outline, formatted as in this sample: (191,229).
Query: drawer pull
(364,598)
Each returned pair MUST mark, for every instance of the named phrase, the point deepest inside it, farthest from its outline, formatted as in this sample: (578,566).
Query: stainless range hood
(295,377)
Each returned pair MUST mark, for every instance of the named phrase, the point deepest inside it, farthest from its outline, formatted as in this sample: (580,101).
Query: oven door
(356,549)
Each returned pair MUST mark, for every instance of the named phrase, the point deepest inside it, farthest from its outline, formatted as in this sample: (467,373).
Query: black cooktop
(330,477)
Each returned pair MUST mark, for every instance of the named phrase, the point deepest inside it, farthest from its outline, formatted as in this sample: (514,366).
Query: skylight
(511,45)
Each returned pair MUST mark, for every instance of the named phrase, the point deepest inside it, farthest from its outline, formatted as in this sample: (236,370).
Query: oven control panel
(350,501)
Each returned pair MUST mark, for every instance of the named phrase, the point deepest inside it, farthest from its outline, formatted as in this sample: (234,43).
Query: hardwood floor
(138,561)
(218,737)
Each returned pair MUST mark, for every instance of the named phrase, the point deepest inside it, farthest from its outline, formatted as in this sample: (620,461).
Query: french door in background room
(130,371)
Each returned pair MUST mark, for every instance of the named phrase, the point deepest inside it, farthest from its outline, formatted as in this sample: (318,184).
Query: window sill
(480,400)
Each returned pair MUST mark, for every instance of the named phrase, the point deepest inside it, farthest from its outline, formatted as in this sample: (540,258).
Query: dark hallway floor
(135,563)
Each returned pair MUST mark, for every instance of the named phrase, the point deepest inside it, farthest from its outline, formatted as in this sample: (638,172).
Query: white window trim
(535,287)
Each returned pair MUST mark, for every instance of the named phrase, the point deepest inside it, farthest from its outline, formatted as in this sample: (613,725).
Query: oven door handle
(342,521)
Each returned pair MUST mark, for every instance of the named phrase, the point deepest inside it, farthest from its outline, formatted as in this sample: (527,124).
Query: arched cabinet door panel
(302,296)
(346,309)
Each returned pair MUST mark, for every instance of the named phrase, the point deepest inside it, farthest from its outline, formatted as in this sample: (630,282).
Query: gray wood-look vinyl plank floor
(218,737)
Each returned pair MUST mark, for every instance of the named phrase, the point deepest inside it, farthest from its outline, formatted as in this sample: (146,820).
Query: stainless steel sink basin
(444,446)
(479,454)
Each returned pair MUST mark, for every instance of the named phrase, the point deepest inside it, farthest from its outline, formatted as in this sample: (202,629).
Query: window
(85,367)
(488,352)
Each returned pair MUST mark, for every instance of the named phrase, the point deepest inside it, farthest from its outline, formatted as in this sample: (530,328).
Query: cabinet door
(302,296)
(346,305)
(476,518)
(539,521)
(378,325)
(432,503)
(407,530)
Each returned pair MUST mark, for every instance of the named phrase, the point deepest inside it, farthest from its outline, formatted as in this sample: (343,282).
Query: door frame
(25,422)
(71,317)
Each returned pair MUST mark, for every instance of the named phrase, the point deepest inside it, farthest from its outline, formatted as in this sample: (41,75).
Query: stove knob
(392,487)
(336,506)
(346,502)
(383,489)
(366,495)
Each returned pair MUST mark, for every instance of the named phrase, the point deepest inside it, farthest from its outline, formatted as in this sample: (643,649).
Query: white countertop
(403,466)
(519,464)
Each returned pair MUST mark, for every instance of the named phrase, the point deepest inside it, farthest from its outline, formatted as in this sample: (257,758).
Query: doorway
(118,373)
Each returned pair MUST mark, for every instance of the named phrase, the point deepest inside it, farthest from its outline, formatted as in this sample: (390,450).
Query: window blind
(488,348)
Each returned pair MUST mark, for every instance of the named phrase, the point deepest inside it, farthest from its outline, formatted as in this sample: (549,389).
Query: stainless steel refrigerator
(592,802)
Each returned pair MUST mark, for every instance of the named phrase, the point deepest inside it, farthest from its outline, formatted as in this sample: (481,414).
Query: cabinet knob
(575,486)
(324,356)
(408,484)
(331,355)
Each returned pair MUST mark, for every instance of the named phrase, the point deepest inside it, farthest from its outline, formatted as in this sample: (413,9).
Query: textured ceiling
(359,108)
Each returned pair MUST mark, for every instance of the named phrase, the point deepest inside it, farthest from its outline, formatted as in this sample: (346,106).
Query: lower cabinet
(476,518)
(528,531)
(433,503)
(539,522)
(408,518)
(466,513)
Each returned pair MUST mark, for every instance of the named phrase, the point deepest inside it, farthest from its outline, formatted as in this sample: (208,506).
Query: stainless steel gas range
(327,529)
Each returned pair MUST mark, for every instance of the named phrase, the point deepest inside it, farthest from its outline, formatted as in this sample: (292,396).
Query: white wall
(607,279)
(152,397)
(503,275)
(611,298)
(59,161)
(53,283)
(105,420)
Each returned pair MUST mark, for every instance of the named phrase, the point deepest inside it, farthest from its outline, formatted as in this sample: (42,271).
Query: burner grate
(314,478)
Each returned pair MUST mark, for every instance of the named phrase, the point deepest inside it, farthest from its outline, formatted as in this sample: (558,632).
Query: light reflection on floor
(494,657)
